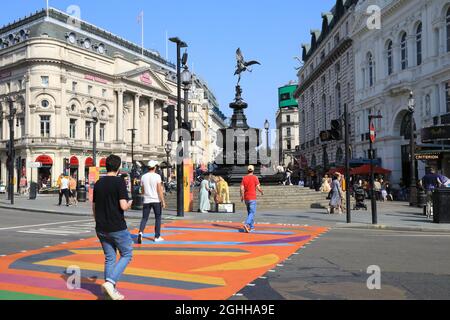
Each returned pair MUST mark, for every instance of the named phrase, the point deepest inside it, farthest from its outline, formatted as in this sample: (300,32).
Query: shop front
(436,149)
(89,163)
(45,171)
(74,165)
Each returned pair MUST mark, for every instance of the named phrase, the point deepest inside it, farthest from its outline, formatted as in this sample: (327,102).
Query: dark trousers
(157,209)
(65,193)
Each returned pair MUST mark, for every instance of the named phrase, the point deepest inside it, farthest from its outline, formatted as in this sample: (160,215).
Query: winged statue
(243,65)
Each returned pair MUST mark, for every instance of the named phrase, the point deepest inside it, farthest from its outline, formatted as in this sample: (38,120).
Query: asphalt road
(413,265)
(21,230)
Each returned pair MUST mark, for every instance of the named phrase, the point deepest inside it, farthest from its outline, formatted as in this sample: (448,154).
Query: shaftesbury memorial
(239,142)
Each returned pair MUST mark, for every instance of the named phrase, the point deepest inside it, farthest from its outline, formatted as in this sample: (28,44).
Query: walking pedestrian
(336,195)
(73,190)
(250,183)
(109,203)
(153,192)
(204,203)
(64,190)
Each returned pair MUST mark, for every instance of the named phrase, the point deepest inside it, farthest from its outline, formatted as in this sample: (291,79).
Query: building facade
(58,71)
(287,124)
(409,52)
(325,85)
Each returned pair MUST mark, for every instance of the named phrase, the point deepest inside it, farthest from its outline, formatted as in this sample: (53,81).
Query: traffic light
(336,130)
(169,118)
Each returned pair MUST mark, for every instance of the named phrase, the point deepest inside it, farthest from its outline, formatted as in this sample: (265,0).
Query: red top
(250,183)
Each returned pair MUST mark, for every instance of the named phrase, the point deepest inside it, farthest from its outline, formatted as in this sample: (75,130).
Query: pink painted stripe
(86,288)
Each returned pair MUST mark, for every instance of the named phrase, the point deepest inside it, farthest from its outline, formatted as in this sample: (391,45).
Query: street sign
(34,164)
(372,133)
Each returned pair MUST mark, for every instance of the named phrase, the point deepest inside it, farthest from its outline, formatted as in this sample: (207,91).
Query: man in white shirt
(64,190)
(152,190)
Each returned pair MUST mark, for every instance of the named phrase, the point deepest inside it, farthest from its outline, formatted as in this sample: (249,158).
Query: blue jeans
(157,209)
(111,242)
(251,210)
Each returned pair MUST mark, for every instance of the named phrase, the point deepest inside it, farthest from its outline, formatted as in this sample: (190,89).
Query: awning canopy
(365,170)
(89,162)
(74,162)
(45,160)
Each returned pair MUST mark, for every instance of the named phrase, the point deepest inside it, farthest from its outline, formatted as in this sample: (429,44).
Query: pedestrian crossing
(67,230)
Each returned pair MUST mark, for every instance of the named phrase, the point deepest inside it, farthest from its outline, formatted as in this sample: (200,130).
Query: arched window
(390,58)
(448,29)
(404,51)
(370,64)
(419,44)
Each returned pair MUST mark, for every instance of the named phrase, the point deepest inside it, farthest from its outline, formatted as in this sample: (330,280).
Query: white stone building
(57,72)
(410,51)
(325,85)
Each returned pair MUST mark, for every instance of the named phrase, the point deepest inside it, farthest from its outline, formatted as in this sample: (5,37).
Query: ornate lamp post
(180,170)
(412,146)
(11,150)
(95,115)
(186,80)
(267,127)
(168,149)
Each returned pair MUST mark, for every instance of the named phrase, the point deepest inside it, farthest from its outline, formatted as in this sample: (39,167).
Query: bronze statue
(243,65)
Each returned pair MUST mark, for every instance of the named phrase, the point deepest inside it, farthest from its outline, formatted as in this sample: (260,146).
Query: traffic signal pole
(347,163)
(180,169)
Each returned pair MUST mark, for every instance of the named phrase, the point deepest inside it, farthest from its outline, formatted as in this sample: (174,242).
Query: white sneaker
(109,290)
(160,239)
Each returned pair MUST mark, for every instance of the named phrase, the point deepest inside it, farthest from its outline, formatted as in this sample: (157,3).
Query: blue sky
(266,30)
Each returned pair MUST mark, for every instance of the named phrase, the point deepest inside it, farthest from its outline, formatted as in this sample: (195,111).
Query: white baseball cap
(251,168)
(152,163)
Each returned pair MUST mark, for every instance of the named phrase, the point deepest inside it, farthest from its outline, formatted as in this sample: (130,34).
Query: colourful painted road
(199,261)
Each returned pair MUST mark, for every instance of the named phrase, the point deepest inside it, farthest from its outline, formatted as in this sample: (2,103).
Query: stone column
(64,121)
(151,121)
(136,121)
(28,121)
(119,115)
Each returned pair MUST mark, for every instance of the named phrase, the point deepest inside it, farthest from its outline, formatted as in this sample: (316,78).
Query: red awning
(74,162)
(89,162)
(341,170)
(103,163)
(45,160)
(365,170)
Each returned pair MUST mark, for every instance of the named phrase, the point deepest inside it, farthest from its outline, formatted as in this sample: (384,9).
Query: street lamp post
(372,175)
(186,79)
(168,149)
(180,171)
(95,115)
(267,127)
(412,146)
(11,150)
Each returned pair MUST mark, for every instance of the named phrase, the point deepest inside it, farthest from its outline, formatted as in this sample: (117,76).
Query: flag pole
(142,33)
(167,46)
(47,8)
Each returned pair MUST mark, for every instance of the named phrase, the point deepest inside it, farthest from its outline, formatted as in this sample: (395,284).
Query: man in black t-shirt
(109,203)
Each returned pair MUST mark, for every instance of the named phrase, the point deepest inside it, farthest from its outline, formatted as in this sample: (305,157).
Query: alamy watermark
(374,280)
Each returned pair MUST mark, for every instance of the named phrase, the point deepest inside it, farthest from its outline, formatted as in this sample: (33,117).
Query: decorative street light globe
(186,78)
(411,102)
(266,125)
(95,114)
(168,147)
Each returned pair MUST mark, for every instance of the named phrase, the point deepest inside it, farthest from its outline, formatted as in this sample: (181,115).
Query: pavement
(391,215)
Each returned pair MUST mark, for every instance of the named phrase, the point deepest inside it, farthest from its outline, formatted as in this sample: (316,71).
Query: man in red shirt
(250,183)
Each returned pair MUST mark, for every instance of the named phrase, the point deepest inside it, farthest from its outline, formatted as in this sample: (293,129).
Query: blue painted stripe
(226,231)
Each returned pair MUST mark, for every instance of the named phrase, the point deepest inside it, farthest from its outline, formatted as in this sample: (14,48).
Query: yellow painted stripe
(168,253)
(246,264)
(139,272)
